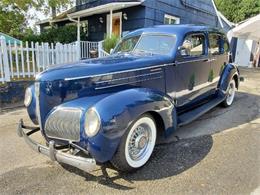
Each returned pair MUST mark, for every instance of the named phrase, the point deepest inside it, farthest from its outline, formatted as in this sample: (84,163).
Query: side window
(193,45)
(226,46)
(215,43)
(218,44)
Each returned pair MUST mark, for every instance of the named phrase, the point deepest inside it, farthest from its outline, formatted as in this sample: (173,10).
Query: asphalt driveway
(217,154)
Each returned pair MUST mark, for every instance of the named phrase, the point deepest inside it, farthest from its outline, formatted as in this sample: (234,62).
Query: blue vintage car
(113,108)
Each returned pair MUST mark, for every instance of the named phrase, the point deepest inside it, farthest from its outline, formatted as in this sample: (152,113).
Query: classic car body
(167,84)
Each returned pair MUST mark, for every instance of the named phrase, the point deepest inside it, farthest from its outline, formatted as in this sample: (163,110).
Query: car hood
(110,64)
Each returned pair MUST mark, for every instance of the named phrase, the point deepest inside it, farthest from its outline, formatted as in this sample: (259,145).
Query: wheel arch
(236,80)
(160,126)
(229,72)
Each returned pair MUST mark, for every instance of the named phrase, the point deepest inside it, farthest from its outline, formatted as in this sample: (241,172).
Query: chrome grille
(64,124)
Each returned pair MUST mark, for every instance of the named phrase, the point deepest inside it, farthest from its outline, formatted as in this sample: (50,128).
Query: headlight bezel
(28,97)
(92,116)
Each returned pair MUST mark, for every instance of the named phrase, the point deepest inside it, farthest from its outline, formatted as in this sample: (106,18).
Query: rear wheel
(136,145)
(231,91)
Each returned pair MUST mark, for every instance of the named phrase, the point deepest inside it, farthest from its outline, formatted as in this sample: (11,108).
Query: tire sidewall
(119,160)
(151,123)
(226,103)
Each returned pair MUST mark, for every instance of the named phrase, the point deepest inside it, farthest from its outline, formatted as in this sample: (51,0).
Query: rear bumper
(85,164)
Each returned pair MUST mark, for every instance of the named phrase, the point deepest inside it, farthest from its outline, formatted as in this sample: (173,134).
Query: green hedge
(65,34)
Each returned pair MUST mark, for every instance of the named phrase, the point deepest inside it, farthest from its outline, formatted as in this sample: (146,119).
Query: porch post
(78,40)
(111,25)
(78,33)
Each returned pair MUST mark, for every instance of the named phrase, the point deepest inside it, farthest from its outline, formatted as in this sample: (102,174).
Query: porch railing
(86,47)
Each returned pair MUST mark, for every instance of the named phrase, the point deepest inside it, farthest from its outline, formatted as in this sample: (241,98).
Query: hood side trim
(118,72)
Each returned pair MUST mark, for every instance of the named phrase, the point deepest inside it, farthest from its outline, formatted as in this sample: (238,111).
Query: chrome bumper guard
(85,164)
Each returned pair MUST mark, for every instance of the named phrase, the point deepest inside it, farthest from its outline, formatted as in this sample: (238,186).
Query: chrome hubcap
(139,142)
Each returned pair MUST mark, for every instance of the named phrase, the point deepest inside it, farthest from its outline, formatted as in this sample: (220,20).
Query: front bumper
(85,164)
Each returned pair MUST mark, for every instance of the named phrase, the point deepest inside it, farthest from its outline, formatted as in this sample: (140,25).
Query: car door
(192,69)
(219,57)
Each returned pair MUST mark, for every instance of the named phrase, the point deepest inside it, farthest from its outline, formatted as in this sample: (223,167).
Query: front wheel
(231,91)
(136,145)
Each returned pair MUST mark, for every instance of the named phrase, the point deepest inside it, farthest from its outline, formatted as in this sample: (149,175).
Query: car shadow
(194,141)
(167,160)
(243,110)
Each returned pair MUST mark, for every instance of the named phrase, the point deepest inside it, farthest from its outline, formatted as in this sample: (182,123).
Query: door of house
(116,24)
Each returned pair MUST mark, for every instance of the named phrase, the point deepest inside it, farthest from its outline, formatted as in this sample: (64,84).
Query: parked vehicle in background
(113,108)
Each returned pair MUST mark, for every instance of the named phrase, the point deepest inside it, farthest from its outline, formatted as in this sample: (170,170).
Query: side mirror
(111,51)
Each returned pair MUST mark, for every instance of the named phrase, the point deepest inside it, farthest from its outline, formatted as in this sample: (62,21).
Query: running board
(192,115)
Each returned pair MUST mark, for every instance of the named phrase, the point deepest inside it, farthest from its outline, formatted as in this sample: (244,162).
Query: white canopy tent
(250,29)
(248,34)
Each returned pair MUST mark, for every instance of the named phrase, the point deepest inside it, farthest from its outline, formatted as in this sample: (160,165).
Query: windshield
(148,43)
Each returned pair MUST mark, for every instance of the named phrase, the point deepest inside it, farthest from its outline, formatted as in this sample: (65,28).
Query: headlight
(28,97)
(92,122)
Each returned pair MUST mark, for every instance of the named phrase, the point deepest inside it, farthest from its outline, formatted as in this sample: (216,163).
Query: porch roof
(104,8)
(250,29)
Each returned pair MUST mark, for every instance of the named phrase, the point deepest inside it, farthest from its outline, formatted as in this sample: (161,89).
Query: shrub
(65,34)
(110,42)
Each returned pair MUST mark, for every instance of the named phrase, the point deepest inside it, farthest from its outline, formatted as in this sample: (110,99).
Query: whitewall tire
(231,92)
(136,145)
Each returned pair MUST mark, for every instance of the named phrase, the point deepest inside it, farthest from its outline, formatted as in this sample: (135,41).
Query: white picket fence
(26,60)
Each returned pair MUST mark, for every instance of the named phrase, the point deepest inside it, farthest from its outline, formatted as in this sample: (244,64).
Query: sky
(35,16)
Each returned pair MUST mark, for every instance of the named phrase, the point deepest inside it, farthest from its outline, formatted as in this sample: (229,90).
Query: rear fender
(230,71)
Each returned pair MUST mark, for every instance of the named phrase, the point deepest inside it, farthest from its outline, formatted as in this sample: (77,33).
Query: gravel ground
(217,154)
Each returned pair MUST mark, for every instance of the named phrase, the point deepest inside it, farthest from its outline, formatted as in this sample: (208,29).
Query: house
(247,37)
(100,17)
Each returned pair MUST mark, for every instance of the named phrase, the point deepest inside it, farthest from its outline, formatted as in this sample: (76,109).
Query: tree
(11,22)
(14,13)
(238,10)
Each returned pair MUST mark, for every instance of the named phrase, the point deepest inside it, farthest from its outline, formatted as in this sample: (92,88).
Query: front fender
(228,73)
(117,112)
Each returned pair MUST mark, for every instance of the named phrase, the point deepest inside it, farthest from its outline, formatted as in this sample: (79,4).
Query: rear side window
(218,44)
(193,45)
(226,45)
(215,44)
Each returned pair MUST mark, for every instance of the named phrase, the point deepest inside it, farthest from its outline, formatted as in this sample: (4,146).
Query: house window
(168,19)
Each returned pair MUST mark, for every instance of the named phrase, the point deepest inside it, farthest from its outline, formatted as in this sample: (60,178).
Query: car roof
(179,29)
